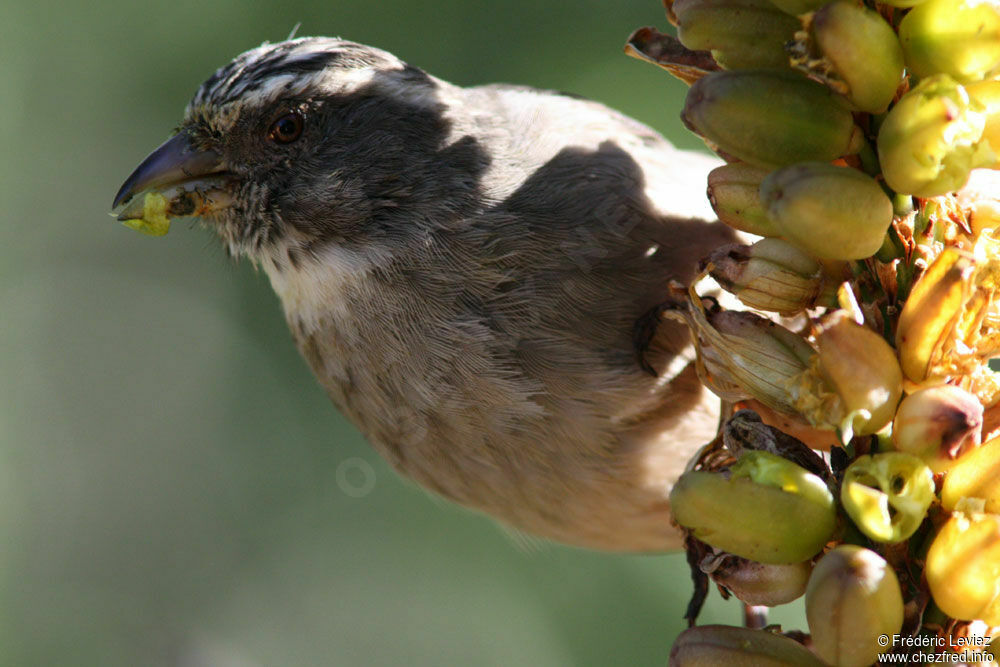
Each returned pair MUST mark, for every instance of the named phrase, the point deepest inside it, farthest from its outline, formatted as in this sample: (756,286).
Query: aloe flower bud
(852,599)
(733,191)
(887,495)
(854,383)
(854,51)
(771,118)
(770,510)
(960,38)
(741,34)
(932,138)
(963,567)
(797,7)
(937,423)
(761,583)
(711,645)
(987,93)
(976,474)
(769,275)
(829,211)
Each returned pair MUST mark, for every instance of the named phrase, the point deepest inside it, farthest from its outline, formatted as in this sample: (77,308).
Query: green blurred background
(175,488)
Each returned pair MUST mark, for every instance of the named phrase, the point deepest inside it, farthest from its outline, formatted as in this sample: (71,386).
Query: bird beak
(193,181)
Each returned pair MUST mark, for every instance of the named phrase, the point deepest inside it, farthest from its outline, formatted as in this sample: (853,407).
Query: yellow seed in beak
(153,218)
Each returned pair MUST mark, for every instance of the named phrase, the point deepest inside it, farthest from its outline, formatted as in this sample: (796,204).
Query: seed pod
(741,34)
(932,138)
(931,312)
(937,423)
(854,51)
(887,495)
(960,38)
(862,369)
(831,212)
(854,383)
(771,118)
(742,355)
(976,474)
(770,510)
(761,583)
(733,191)
(711,645)
(852,599)
(769,275)
(963,567)
(758,354)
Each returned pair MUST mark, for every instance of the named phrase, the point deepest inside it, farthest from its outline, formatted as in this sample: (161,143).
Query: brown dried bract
(652,46)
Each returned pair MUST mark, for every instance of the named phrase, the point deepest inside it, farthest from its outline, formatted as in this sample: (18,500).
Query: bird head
(310,142)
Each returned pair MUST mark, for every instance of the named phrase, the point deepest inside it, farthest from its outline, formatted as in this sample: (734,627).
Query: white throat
(315,287)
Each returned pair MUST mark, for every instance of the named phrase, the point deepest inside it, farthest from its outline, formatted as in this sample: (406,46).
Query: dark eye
(286,129)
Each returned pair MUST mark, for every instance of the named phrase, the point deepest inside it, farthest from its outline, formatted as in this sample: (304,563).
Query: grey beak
(173,162)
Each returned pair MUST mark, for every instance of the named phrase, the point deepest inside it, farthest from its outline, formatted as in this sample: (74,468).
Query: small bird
(465,270)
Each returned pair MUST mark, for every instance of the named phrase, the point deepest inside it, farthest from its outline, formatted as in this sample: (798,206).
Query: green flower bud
(853,597)
(976,474)
(770,510)
(931,139)
(733,191)
(771,118)
(937,423)
(762,583)
(797,7)
(987,93)
(960,38)
(854,51)
(831,212)
(711,645)
(963,567)
(769,275)
(887,495)
(741,34)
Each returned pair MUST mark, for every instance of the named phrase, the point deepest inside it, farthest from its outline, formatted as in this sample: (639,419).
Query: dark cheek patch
(183,205)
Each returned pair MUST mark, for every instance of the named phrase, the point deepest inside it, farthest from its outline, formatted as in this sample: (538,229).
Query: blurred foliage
(168,467)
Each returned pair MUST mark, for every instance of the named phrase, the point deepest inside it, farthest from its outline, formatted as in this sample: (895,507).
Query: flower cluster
(858,137)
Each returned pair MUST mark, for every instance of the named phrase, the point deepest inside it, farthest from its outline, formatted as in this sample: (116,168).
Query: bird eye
(286,129)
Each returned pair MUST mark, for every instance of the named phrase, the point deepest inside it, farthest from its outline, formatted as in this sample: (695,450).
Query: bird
(465,270)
